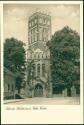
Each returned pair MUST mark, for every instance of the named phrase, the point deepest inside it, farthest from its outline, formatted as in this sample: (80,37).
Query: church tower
(39,77)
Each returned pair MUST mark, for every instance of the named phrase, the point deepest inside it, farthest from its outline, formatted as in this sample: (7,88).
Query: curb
(14,101)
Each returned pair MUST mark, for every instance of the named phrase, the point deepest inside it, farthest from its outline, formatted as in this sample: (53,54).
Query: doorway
(38,91)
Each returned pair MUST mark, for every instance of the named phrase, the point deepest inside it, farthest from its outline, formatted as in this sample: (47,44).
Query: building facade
(9,84)
(38,71)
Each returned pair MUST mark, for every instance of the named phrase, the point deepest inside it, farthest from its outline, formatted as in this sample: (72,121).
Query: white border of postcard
(54,114)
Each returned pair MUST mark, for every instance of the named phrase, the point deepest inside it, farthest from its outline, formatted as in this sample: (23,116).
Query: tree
(65,53)
(14,59)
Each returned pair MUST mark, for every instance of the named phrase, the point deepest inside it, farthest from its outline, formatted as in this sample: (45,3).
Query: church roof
(7,71)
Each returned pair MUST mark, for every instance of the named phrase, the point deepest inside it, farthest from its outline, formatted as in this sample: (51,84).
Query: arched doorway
(38,91)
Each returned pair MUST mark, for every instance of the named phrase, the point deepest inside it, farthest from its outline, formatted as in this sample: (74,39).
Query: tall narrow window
(38,56)
(43,69)
(29,40)
(38,70)
(12,87)
(33,71)
(42,55)
(35,34)
(40,33)
(34,56)
(8,87)
(31,36)
(43,34)
(46,34)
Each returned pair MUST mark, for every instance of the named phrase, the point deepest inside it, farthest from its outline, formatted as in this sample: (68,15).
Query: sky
(16,16)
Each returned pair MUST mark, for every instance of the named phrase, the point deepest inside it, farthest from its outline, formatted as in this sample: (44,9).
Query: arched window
(43,69)
(38,69)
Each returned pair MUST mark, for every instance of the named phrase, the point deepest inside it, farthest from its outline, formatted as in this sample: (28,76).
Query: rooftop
(39,13)
(8,71)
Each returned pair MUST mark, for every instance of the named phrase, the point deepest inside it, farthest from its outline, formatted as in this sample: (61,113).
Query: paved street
(47,101)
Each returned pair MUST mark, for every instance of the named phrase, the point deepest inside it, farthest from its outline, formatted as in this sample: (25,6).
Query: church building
(38,71)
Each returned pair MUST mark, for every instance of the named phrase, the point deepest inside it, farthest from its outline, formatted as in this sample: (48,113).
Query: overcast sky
(16,18)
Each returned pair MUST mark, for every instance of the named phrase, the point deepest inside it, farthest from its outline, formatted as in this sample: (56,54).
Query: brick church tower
(38,73)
